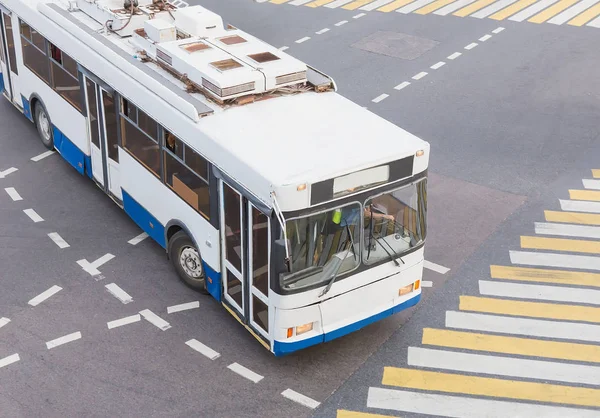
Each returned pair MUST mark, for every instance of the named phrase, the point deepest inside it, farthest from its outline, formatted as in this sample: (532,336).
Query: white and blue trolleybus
(300,211)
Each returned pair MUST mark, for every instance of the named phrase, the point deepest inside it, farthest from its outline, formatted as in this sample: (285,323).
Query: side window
(186,173)
(140,141)
(10,41)
(65,79)
(34,48)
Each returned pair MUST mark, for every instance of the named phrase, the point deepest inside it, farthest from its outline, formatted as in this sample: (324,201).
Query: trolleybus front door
(245,244)
(8,55)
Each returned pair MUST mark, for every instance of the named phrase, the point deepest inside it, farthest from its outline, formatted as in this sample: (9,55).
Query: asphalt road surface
(506,92)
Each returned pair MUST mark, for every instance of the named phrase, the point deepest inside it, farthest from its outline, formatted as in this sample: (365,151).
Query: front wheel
(44,127)
(187,261)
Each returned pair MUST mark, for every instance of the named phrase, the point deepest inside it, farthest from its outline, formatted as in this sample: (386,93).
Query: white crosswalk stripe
(493,8)
(567,230)
(539,292)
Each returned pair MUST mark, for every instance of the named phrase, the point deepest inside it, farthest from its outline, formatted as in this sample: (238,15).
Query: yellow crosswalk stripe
(318,3)
(512,9)
(551,11)
(530,309)
(596,173)
(356,4)
(572,217)
(561,244)
(396,4)
(432,7)
(586,16)
(473,7)
(585,194)
(279,1)
(487,386)
(526,274)
(511,345)
(342,413)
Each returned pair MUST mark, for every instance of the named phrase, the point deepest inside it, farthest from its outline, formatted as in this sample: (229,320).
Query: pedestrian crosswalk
(556,12)
(527,345)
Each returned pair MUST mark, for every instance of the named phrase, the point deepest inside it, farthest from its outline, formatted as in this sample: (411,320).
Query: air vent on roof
(228,91)
(225,65)
(232,40)
(164,57)
(263,57)
(288,78)
(195,46)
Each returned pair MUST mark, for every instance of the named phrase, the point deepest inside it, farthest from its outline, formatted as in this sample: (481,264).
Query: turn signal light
(417,284)
(420,153)
(290,332)
(406,289)
(304,328)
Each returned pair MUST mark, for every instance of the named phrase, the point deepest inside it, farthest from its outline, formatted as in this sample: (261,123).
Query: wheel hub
(45,126)
(191,263)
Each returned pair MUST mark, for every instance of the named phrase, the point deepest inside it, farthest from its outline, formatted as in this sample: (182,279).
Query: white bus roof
(302,136)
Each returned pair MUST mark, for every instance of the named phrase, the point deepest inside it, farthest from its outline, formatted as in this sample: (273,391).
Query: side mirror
(279,257)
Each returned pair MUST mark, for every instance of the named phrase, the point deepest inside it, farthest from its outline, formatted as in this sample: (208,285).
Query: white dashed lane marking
(124,321)
(14,195)
(498,30)
(420,75)
(45,295)
(7,172)
(426,283)
(4,321)
(183,307)
(203,349)
(63,340)
(283,48)
(358,16)
(9,360)
(454,56)
(245,372)
(485,38)
(438,65)
(92,268)
(58,240)
(435,267)
(155,320)
(322,31)
(402,85)
(300,398)
(119,293)
(343,22)
(306,38)
(42,156)
(471,45)
(33,215)
(380,98)
(138,239)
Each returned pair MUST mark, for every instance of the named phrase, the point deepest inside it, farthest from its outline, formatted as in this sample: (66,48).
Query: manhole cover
(398,45)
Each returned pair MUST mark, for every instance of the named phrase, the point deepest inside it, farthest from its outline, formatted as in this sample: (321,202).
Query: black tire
(187,261)
(43,125)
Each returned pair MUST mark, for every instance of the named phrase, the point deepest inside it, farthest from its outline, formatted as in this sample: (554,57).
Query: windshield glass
(394,222)
(323,245)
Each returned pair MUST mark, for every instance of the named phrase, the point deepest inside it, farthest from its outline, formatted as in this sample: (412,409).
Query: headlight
(411,287)
(304,328)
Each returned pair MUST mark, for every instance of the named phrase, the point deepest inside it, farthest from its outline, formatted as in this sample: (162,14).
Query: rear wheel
(187,261)
(44,127)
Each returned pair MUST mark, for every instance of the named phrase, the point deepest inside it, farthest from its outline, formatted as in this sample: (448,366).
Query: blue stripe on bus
(26,108)
(1,83)
(144,219)
(282,348)
(87,162)
(213,281)
(69,150)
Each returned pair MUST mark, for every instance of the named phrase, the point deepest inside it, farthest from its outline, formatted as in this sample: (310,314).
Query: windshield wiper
(371,236)
(334,274)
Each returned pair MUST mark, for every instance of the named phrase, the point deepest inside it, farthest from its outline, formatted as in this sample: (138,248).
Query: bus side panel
(144,219)
(1,82)
(69,151)
(27,108)
(213,281)
(164,205)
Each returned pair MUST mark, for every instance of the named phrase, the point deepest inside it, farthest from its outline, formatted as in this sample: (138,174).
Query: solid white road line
(63,340)
(452,7)
(471,45)
(539,292)
(380,98)
(14,195)
(119,293)
(7,172)
(503,366)
(531,10)
(183,307)
(155,320)
(124,321)
(438,65)
(567,230)
(202,349)
(375,5)
(414,6)
(58,240)
(571,12)
(322,31)
(580,206)
(498,30)
(358,16)
(44,295)
(555,260)
(138,239)
(343,22)
(419,76)
(402,85)
(435,267)
(306,38)
(465,407)
(494,7)
(9,360)
(521,326)
(244,372)
(4,321)
(455,55)
(485,38)
(591,184)
(300,398)
(426,283)
(42,156)
(33,215)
